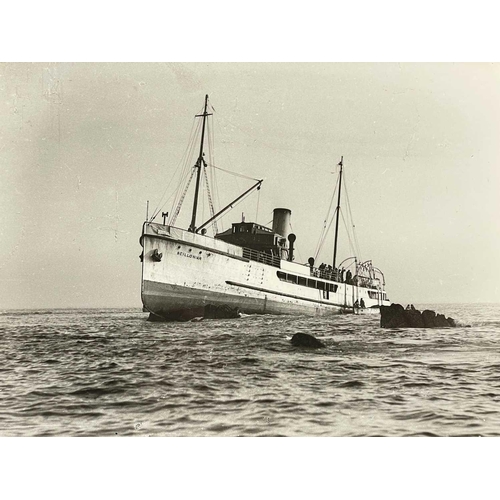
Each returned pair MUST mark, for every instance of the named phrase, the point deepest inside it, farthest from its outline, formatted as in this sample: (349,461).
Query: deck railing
(265,258)
(332,275)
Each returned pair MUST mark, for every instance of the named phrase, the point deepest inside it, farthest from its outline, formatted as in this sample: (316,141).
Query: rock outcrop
(306,340)
(396,316)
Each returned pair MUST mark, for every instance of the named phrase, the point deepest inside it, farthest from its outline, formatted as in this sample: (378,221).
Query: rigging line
(179,200)
(210,202)
(215,188)
(348,235)
(175,194)
(210,140)
(179,205)
(354,232)
(207,174)
(157,209)
(233,205)
(324,232)
(324,235)
(349,221)
(187,169)
(215,184)
(234,173)
(181,186)
(166,201)
(217,193)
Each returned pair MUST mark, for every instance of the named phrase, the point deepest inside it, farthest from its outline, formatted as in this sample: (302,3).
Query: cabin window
(310,283)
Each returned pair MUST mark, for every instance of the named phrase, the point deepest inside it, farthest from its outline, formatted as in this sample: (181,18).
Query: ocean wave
(110,372)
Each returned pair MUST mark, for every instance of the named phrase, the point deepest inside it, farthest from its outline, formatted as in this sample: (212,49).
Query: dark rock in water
(441,321)
(396,316)
(414,319)
(393,316)
(429,318)
(453,323)
(306,340)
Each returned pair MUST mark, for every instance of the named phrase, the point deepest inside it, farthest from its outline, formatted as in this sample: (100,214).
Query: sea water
(109,372)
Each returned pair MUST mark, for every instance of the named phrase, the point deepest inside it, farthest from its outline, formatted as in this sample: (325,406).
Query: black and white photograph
(224,249)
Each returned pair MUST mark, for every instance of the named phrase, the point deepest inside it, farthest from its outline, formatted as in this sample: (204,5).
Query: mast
(338,212)
(198,165)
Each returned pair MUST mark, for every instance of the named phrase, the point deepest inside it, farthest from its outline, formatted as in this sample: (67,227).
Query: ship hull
(183,273)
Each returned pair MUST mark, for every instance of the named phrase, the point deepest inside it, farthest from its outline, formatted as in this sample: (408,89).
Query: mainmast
(338,212)
(198,165)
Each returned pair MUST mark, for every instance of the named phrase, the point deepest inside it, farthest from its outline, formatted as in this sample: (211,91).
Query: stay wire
(325,231)
(348,235)
(234,173)
(161,204)
(213,177)
(258,203)
(354,232)
(233,206)
(188,170)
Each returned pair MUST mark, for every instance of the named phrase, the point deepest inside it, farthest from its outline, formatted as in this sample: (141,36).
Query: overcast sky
(84,146)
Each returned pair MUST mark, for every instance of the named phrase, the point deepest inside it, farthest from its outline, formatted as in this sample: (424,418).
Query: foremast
(202,163)
(199,163)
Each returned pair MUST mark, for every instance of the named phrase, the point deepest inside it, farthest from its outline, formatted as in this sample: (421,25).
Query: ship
(249,268)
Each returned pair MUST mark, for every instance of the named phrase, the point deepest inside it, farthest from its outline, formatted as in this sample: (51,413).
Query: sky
(84,146)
